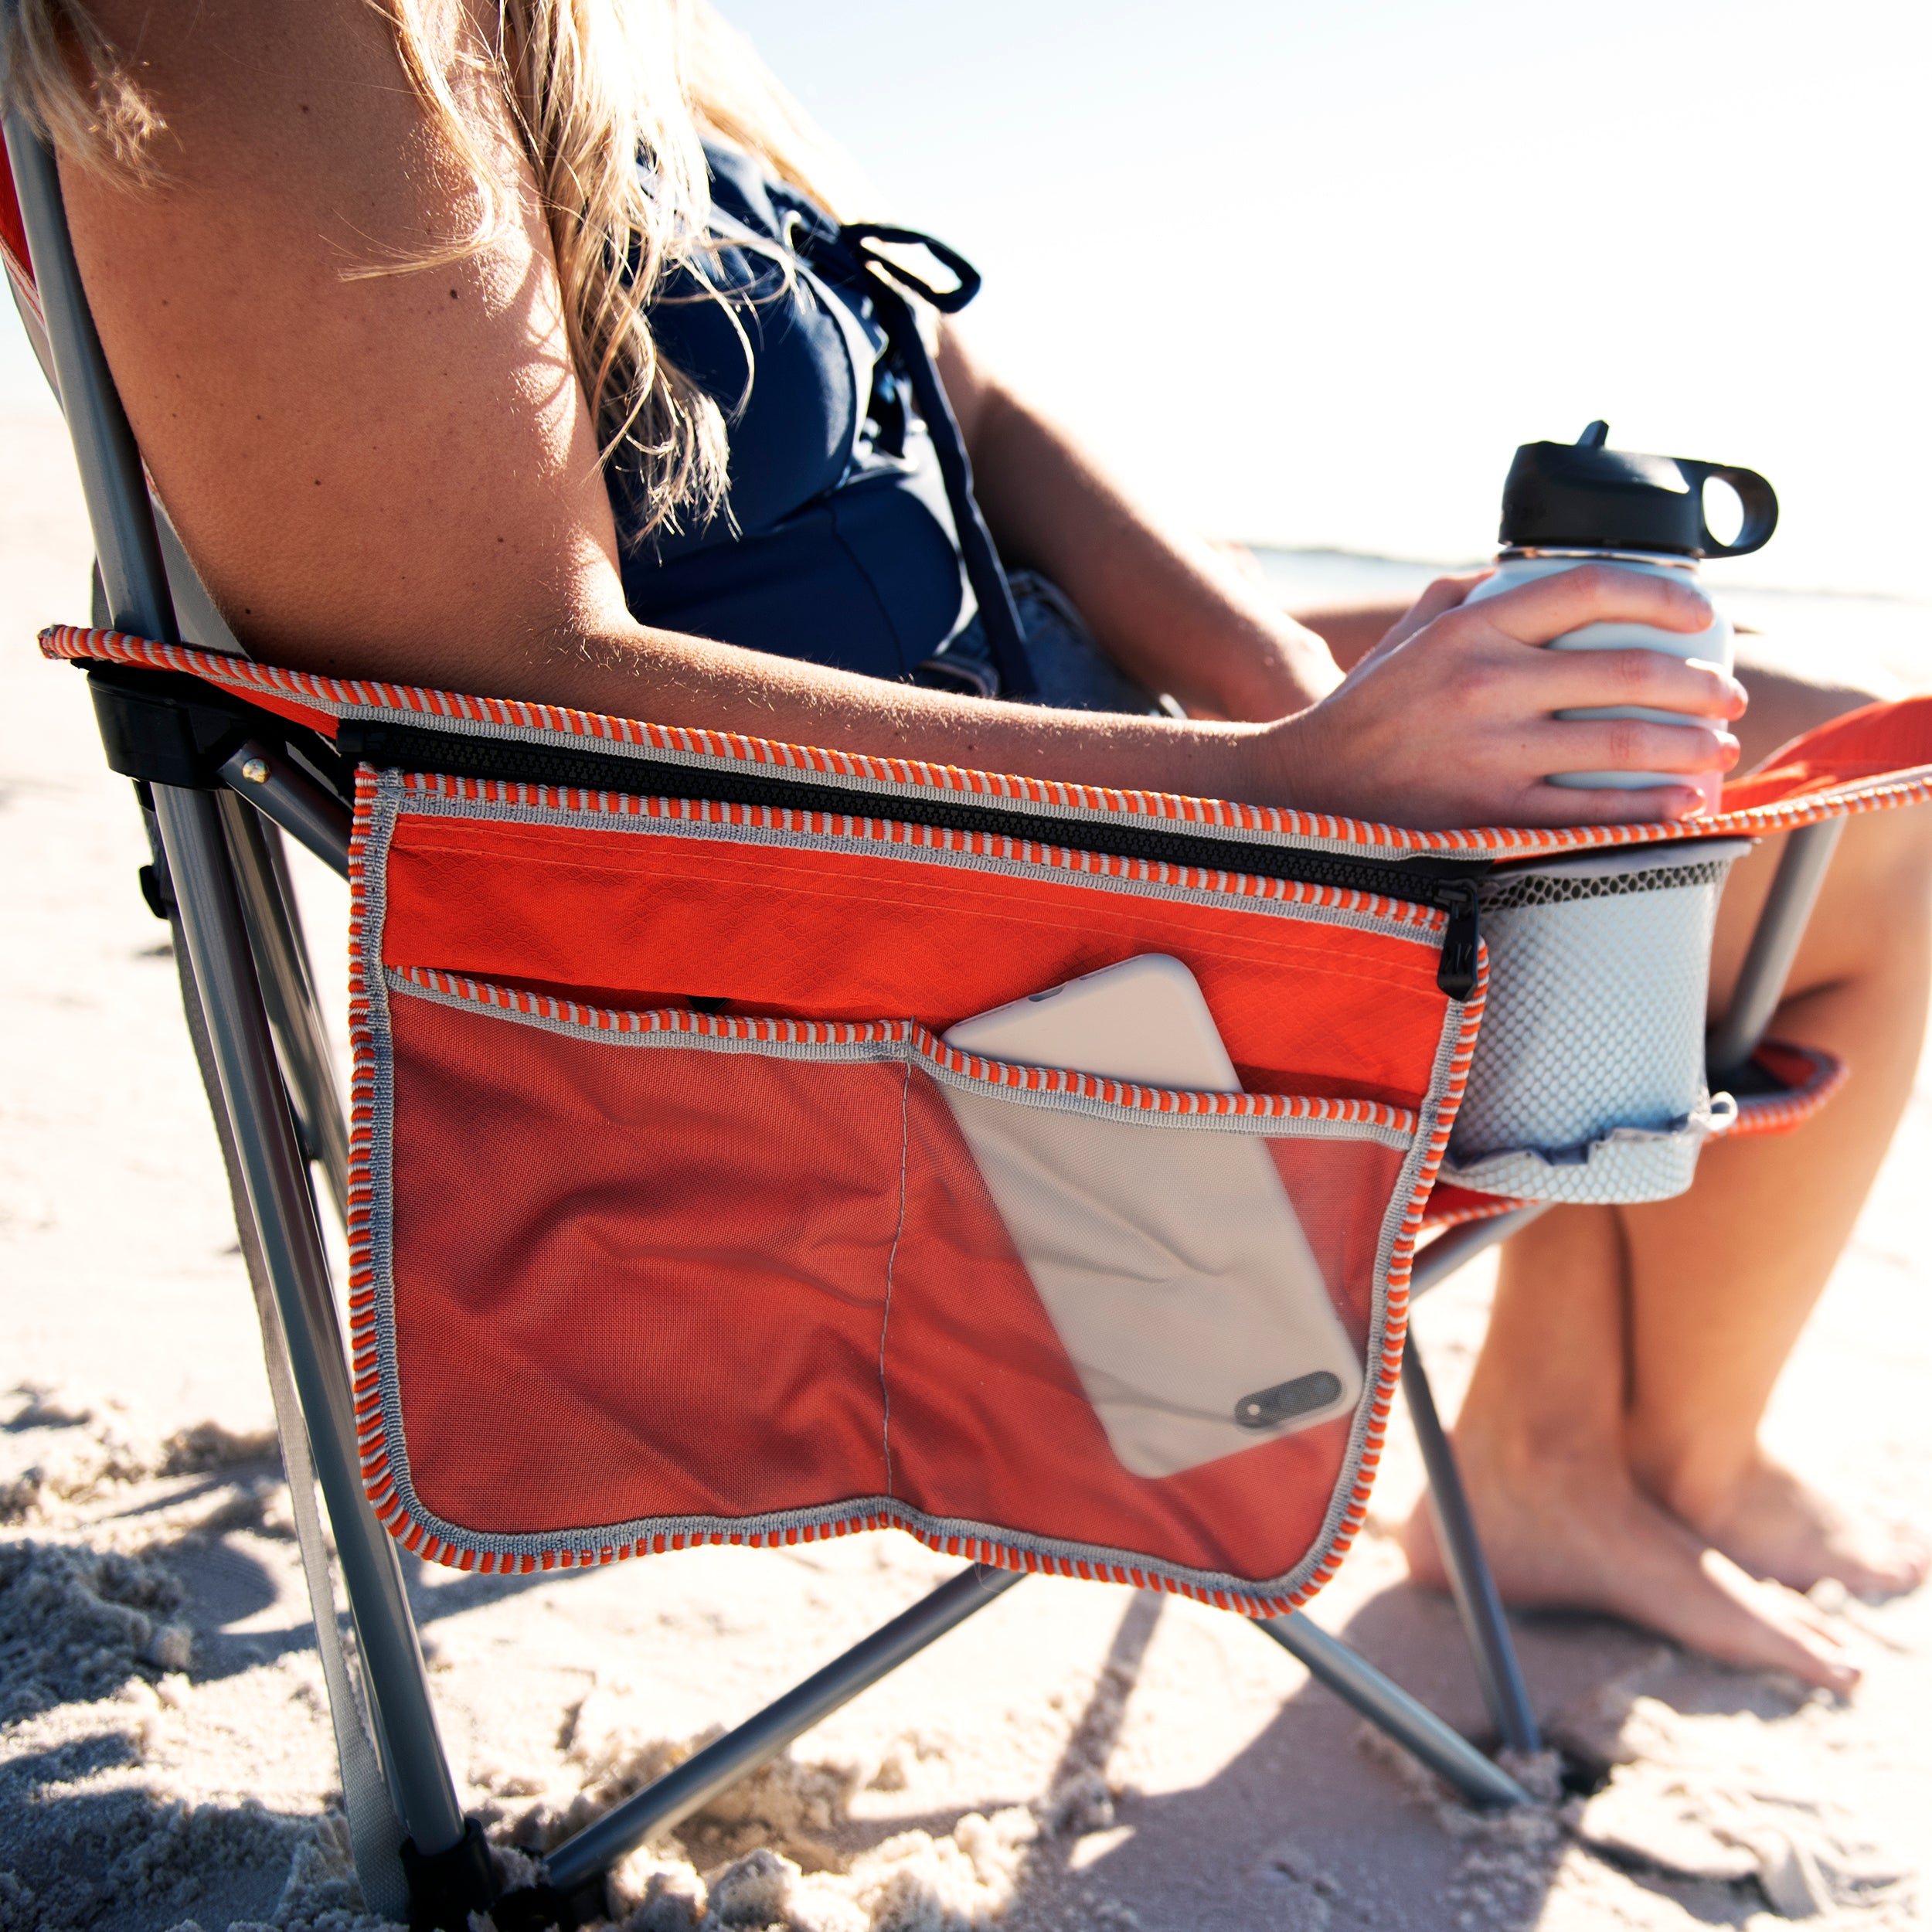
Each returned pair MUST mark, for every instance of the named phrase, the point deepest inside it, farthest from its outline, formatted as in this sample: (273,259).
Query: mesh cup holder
(1588,1080)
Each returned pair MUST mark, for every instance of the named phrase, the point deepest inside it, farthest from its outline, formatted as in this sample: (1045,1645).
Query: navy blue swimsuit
(837,544)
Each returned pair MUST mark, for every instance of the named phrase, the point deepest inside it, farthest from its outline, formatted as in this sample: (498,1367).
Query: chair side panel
(640,1275)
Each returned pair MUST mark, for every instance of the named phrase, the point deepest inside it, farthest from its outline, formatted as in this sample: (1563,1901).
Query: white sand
(1077,1756)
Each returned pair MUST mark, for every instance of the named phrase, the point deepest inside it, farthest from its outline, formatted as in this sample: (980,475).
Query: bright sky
(1309,270)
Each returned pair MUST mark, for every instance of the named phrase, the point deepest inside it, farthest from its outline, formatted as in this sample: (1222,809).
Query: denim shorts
(1072,671)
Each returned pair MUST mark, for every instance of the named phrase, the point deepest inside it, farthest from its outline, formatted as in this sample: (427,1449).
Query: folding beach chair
(645,1146)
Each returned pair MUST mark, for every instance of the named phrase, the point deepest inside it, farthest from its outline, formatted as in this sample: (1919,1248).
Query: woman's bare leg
(1610,1435)
(1724,1278)
(1541,1441)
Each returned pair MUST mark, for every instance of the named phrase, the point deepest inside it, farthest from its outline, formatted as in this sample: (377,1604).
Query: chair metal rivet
(255,772)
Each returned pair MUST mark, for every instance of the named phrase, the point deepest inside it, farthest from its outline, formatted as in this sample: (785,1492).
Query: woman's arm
(397,476)
(1170,612)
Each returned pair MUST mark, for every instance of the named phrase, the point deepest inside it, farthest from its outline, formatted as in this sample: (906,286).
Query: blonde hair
(610,100)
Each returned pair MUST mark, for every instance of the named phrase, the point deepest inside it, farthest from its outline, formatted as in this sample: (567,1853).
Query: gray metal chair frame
(220,877)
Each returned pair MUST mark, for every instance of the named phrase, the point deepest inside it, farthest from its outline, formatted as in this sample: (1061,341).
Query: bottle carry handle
(1759,500)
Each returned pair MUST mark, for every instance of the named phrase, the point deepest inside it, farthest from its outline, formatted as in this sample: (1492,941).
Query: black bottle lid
(1583,495)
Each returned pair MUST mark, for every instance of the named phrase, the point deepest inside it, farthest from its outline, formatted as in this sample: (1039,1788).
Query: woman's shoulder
(358,424)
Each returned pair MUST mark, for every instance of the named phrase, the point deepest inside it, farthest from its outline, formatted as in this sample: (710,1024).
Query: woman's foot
(1774,1525)
(1572,1535)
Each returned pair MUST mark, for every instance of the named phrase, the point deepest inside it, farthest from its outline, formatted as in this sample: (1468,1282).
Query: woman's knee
(1882,868)
(1880,880)
(1871,921)
(1788,698)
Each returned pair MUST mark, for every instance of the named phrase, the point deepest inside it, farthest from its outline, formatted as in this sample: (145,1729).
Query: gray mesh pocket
(1588,1080)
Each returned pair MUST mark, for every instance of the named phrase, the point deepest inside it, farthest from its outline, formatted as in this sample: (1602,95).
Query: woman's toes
(1585,1538)
(1778,1527)
(1739,1619)
(1889,1561)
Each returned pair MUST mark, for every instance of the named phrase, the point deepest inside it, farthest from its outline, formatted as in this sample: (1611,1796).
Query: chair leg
(281,1210)
(1412,1724)
(1391,1710)
(1774,944)
(692,1784)
(288,991)
(1491,1646)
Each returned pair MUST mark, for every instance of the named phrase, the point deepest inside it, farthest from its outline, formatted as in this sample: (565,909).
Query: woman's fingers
(1548,804)
(1495,684)
(1629,744)
(1534,613)
(1575,679)
(1458,718)
(1442,596)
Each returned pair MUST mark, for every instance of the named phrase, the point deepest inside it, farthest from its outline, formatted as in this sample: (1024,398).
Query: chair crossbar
(1471,1583)
(689,1787)
(283,792)
(288,991)
(1456,1247)
(1773,948)
(1391,1708)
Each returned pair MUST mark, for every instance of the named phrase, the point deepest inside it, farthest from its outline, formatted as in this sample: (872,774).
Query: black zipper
(1456,970)
(1447,883)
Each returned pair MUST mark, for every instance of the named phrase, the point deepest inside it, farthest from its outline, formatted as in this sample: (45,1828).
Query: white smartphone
(1169,1258)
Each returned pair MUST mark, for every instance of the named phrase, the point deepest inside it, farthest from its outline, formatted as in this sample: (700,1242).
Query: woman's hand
(1450,720)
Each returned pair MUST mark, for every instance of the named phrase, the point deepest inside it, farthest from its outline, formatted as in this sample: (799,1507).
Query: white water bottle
(1566,505)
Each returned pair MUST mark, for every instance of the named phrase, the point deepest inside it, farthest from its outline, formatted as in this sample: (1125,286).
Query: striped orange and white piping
(679,1022)
(1783,1113)
(347,697)
(909,835)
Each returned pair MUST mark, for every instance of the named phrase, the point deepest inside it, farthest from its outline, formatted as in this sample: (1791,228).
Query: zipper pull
(1456,971)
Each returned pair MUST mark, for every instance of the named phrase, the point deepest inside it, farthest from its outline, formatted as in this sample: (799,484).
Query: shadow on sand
(1320,1823)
